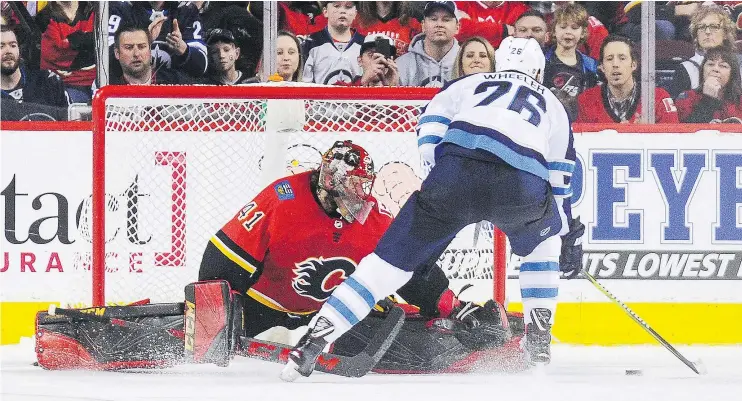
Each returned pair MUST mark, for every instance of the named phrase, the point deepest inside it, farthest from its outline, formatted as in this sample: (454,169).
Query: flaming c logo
(316,278)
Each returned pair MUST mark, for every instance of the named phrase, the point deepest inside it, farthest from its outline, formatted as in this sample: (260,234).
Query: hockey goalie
(274,264)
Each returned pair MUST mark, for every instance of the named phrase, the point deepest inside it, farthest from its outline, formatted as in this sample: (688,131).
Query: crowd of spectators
(49,50)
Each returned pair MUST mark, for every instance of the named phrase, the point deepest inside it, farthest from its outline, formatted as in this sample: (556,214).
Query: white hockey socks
(539,278)
(352,300)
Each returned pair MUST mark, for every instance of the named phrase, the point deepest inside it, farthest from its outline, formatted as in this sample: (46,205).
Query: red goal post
(171,164)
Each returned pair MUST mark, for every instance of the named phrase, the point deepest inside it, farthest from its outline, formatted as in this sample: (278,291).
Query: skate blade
(290,372)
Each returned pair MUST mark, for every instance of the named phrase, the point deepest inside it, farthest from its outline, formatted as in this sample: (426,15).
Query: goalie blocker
(208,328)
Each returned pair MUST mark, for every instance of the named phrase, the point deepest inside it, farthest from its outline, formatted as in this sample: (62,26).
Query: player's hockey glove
(476,326)
(570,260)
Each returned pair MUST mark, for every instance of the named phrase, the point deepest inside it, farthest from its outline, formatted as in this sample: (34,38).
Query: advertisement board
(662,211)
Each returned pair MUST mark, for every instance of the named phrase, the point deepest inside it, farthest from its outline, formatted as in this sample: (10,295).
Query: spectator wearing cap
(23,85)
(223,56)
(377,62)
(332,54)
(432,54)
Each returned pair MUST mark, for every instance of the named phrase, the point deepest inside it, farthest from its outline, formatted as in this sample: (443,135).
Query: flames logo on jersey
(316,278)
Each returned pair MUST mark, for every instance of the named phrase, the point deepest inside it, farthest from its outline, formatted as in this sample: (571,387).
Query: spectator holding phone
(717,98)
(377,62)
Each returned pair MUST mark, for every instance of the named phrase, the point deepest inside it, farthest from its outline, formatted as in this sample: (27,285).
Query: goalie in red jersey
(282,255)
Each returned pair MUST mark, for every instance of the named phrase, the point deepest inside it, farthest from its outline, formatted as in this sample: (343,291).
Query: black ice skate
(304,356)
(538,337)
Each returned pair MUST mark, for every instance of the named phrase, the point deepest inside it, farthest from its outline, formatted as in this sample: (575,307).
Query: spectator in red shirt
(717,98)
(68,45)
(492,20)
(302,18)
(475,55)
(619,100)
(391,18)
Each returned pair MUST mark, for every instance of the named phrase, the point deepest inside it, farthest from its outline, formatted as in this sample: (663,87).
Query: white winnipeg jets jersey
(508,114)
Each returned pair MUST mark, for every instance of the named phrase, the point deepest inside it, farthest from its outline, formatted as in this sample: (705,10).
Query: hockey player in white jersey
(501,149)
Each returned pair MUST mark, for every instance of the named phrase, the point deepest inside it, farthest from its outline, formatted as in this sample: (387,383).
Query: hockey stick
(77,314)
(348,366)
(696,366)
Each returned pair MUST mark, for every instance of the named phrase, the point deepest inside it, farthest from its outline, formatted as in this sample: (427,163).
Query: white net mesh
(178,169)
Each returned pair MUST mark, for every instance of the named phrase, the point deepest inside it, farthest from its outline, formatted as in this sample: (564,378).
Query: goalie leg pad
(79,342)
(213,322)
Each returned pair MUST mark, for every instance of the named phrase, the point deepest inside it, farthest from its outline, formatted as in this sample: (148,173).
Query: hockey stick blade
(697,366)
(348,366)
(78,314)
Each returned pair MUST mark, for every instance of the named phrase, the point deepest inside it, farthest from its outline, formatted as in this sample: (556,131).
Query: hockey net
(173,164)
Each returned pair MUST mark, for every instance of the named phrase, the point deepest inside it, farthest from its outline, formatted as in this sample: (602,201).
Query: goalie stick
(696,366)
(77,314)
(349,366)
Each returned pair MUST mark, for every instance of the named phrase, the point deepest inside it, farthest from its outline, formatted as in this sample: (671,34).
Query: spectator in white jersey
(332,54)
(432,54)
(223,55)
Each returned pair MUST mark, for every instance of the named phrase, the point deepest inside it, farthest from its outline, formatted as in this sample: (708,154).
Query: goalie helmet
(523,55)
(347,174)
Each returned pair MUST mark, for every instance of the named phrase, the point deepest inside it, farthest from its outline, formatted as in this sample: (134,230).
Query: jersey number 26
(521,101)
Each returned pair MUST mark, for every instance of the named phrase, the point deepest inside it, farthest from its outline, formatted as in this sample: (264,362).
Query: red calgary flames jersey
(593,107)
(401,34)
(304,253)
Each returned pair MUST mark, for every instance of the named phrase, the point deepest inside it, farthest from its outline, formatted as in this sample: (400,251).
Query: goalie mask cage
(172,164)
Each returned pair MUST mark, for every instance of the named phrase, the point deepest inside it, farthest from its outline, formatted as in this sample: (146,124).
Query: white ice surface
(576,374)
